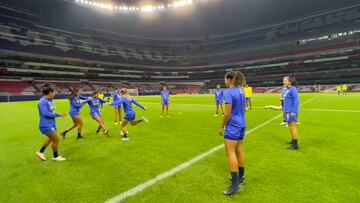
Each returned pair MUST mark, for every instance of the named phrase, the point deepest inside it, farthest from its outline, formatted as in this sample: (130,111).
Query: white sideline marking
(143,186)
(334,110)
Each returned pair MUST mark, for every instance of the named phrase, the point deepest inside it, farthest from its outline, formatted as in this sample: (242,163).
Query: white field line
(149,183)
(258,107)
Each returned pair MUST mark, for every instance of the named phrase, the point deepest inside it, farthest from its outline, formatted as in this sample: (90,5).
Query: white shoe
(283,123)
(59,158)
(145,119)
(41,156)
(167,116)
(215,115)
(125,138)
(161,116)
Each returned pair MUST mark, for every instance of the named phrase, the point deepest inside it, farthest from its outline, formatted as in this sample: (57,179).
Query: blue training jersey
(291,100)
(95,103)
(283,90)
(76,104)
(127,105)
(116,97)
(219,95)
(47,112)
(236,97)
(165,95)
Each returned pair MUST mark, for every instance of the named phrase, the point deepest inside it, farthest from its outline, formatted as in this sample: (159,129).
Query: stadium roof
(202,18)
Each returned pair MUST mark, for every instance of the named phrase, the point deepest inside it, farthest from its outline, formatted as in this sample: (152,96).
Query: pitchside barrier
(29,96)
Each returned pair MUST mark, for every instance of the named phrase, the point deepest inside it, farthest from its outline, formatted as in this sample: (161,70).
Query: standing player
(282,93)
(117,106)
(219,100)
(94,104)
(47,124)
(165,101)
(127,101)
(291,108)
(338,89)
(344,89)
(75,107)
(248,95)
(233,128)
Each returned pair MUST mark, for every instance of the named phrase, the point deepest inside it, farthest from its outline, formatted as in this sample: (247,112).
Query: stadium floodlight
(147,8)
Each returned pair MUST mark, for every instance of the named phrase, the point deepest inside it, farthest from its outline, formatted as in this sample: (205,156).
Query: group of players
(342,89)
(237,100)
(121,101)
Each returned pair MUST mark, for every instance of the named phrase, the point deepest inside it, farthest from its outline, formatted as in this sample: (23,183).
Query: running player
(94,104)
(219,100)
(47,124)
(291,108)
(126,100)
(165,101)
(75,107)
(248,95)
(117,106)
(233,128)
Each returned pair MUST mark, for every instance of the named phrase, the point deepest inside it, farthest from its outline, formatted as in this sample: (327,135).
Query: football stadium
(180,101)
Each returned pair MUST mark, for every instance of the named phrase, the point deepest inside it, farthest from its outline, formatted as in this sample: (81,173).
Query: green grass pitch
(325,169)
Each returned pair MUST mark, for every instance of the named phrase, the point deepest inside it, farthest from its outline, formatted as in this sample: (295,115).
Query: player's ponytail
(74,92)
(47,89)
(239,79)
(292,80)
(125,93)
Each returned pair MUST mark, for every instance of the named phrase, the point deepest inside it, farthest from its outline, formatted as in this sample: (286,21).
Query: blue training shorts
(94,113)
(234,133)
(219,102)
(289,119)
(130,117)
(117,106)
(45,130)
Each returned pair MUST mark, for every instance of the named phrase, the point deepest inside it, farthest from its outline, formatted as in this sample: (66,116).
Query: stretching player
(127,101)
(94,104)
(47,124)
(117,106)
(75,107)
